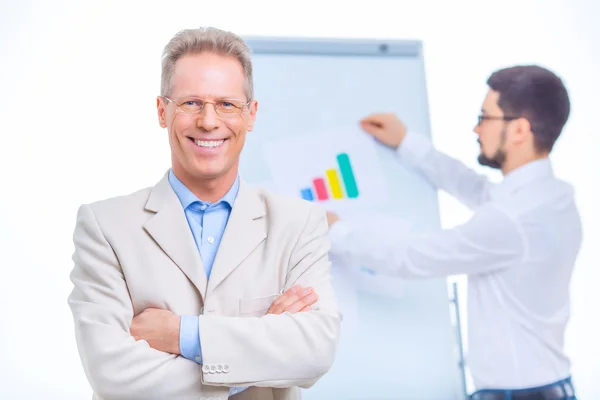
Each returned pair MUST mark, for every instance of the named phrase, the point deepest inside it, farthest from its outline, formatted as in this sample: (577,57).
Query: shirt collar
(186,197)
(525,175)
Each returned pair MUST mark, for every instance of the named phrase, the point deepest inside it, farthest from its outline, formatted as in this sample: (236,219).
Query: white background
(79,81)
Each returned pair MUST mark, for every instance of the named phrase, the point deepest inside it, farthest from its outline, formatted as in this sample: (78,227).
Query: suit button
(213,368)
(206,369)
(226,368)
(219,368)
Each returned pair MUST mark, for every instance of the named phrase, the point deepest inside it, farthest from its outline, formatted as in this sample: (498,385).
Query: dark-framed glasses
(223,107)
(482,117)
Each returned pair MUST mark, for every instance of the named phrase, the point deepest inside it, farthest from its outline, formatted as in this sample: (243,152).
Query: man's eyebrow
(194,96)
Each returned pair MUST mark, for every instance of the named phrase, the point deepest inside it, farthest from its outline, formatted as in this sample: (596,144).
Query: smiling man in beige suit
(201,286)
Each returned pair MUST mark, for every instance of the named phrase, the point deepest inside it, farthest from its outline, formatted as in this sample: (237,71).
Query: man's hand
(332,218)
(160,328)
(295,299)
(386,128)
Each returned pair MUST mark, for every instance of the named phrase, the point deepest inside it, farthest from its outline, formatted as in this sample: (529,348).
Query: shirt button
(210,239)
(203,207)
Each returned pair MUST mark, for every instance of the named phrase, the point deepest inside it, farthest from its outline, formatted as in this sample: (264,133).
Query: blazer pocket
(256,306)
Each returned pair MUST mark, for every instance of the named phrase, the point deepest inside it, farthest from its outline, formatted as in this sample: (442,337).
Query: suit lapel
(245,230)
(170,229)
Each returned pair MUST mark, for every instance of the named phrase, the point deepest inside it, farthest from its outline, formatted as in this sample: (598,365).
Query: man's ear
(522,130)
(253,108)
(161,109)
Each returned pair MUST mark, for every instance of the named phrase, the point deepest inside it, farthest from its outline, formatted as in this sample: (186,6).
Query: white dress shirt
(518,249)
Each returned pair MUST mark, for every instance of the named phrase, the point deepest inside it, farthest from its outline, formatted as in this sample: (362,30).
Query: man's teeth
(209,144)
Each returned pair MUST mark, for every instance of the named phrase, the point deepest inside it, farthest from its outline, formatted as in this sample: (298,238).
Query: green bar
(347,175)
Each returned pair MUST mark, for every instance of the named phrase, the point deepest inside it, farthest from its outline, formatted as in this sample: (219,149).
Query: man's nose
(208,119)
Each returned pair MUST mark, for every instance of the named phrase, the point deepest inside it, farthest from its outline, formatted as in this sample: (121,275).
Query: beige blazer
(137,251)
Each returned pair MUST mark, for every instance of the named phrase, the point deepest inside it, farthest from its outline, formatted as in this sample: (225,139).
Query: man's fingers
(283,301)
(307,308)
(293,290)
(290,297)
(375,122)
(371,128)
(375,119)
(302,303)
(294,297)
(310,298)
(284,295)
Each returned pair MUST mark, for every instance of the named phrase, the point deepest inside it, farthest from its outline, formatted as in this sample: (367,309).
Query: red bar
(320,189)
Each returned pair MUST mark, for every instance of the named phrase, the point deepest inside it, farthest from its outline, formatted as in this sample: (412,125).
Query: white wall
(79,81)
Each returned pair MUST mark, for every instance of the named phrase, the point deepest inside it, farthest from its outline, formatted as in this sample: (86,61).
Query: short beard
(499,157)
(496,161)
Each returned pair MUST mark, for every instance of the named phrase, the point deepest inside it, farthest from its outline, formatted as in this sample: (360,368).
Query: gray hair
(206,40)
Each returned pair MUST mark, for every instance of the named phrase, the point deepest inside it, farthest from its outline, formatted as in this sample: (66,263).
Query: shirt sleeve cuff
(338,232)
(189,338)
(414,148)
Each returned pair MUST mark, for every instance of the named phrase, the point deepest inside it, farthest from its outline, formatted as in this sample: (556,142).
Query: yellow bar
(334,183)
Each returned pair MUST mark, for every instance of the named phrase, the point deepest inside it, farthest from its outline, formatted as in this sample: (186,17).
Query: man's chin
(212,170)
(488,162)
(208,175)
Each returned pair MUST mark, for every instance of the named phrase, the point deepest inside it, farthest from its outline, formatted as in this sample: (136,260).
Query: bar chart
(338,168)
(337,183)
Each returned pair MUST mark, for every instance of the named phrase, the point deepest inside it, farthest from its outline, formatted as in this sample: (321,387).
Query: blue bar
(307,194)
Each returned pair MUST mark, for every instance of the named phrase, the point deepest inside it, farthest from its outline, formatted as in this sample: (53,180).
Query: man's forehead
(208,75)
(490,103)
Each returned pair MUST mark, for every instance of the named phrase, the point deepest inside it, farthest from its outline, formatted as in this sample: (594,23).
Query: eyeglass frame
(481,118)
(204,102)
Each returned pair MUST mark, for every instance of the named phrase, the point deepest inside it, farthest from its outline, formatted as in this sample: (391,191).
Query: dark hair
(537,94)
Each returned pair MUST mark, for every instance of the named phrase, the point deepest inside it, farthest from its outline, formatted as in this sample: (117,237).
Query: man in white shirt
(519,247)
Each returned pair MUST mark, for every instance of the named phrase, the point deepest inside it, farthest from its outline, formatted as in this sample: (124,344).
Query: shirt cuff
(189,338)
(338,232)
(414,148)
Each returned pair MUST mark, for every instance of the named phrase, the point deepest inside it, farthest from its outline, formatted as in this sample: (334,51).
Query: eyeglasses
(225,108)
(482,117)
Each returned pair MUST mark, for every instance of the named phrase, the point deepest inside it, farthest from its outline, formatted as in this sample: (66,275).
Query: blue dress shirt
(207,222)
